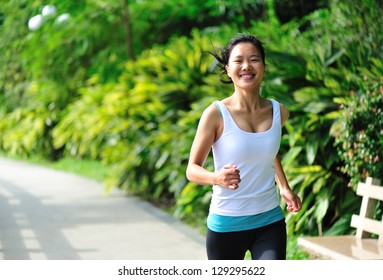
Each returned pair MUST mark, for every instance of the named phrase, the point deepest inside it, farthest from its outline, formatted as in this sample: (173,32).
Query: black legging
(264,243)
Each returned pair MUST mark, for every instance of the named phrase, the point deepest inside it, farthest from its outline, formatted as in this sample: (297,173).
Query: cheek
(232,68)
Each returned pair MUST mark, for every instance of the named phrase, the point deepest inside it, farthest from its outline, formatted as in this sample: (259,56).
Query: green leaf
(311,150)
(321,209)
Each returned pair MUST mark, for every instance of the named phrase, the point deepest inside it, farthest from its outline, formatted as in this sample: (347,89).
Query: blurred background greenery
(123,84)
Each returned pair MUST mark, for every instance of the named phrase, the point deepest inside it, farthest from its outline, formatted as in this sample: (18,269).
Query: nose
(246,65)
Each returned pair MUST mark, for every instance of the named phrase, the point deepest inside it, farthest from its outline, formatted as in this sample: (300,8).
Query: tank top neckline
(248,132)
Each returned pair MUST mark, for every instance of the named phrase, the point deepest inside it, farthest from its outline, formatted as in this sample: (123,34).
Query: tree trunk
(128,29)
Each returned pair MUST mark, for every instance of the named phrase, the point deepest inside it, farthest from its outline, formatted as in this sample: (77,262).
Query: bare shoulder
(211,114)
(284,113)
(210,118)
(211,121)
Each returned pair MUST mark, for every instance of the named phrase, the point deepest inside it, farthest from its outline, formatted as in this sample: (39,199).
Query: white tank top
(254,154)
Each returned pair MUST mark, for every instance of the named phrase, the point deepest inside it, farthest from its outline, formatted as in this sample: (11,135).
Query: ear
(227,70)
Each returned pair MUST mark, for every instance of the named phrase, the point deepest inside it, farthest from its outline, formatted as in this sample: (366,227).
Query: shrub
(359,137)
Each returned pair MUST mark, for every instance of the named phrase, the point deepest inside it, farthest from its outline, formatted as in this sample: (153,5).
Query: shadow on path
(48,214)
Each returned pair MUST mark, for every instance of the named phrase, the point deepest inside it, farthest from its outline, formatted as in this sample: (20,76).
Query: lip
(247,76)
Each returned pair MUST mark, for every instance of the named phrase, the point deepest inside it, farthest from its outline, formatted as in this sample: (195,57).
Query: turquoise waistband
(219,223)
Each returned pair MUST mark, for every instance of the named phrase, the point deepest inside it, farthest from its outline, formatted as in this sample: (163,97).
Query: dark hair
(224,55)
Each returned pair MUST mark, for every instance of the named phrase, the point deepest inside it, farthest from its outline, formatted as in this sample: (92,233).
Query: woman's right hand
(229,177)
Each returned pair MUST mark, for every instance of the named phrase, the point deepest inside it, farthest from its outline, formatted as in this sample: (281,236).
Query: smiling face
(245,67)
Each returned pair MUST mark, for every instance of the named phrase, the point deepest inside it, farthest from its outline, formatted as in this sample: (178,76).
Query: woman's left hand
(293,201)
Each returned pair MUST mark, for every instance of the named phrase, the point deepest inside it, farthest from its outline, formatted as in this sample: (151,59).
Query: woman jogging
(244,132)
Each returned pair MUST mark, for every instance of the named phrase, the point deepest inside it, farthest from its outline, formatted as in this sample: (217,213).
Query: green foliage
(13,33)
(177,75)
(359,133)
(132,124)
(91,121)
(27,130)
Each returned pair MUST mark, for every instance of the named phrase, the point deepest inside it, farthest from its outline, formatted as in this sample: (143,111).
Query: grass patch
(88,168)
(293,250)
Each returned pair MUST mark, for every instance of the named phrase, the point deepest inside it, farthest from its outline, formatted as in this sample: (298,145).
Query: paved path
(49,214)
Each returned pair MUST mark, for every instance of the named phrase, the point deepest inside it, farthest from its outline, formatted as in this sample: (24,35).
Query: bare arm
(294,203)
(205,136)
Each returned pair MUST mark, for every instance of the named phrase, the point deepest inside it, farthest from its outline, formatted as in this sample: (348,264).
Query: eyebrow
(253,55)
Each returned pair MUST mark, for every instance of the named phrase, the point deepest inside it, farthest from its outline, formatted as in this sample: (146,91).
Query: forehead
(245,49)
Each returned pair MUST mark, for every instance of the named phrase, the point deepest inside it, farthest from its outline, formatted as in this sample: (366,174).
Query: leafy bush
(27,130)
(132,124)
(359,134)
(158,156)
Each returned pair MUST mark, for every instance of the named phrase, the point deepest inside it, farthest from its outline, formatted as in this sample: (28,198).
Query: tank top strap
(225,114)
(219,107)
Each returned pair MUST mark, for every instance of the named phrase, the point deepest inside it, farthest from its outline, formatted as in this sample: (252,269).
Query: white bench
(362,245)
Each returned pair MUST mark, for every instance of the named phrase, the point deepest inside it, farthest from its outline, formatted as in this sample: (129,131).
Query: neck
(248,100)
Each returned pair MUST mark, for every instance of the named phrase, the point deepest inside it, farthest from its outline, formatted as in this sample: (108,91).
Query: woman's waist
(246,204)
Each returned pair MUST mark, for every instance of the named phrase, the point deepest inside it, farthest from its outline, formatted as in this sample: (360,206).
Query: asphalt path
(47,214)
